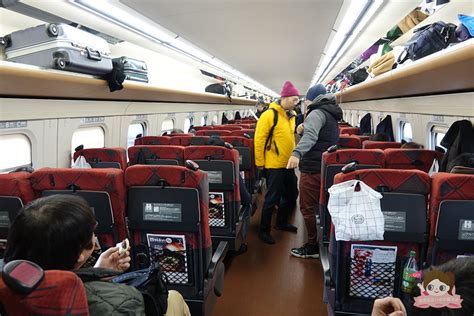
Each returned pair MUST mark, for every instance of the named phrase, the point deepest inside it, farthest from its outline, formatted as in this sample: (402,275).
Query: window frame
(401,131)
(100,126)
(434,131)
(191,120)
(144,125)
(30,143)
(169,129)
(215,119)
(203,120)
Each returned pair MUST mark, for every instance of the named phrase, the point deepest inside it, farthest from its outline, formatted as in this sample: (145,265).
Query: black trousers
(282,190)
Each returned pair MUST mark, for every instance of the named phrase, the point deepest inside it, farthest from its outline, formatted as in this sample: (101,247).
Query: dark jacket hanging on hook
(366,124)
(386,127)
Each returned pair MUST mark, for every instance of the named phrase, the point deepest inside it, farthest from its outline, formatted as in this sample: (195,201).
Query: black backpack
(356,76)
(429,39)
(268,142)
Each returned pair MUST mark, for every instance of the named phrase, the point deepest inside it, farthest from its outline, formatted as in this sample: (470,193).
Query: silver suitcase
(59,46)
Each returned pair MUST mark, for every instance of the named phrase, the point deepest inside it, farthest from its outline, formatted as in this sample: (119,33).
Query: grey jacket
(107,298)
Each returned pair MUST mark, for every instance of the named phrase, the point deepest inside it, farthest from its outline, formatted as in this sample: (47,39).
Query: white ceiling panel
(269,40)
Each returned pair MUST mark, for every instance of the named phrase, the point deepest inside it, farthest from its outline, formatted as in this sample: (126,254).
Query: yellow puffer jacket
(283,141)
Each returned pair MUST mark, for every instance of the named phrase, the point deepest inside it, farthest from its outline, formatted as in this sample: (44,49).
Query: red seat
(184,194)
(421,159)
(349,141)
(179,134)
(404,204)
(452,194)
(153,140)
(244,132)
(363,138)
(370,144)
(59,293)
(213,132)
(222,165)
(227,127)
(96,157)
(247,126)
(349,130)
(189,140)
(156,155)
(15,192)
(175,176)
(245,146)
(332,163)
(17,184)
(84,182)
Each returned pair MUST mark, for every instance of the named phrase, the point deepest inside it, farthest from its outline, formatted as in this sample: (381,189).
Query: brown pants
(310,185)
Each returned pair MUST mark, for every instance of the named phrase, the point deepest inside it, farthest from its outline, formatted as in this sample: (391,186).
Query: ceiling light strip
(175,43)
(364,16)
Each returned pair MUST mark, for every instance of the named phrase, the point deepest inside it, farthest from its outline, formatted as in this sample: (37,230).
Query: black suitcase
(134,69)
(59,46)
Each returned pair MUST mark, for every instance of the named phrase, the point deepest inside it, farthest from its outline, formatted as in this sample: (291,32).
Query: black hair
(463,270)
(52,232)
(380,137)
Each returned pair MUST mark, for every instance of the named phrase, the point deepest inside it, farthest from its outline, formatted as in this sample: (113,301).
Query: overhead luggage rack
(447,71)
(18,80)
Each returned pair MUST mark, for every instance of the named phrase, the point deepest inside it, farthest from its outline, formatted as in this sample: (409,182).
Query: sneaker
(307,251)
(266,238)
(287,227)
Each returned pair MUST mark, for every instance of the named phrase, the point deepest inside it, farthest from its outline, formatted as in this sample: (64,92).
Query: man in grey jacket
(320,132)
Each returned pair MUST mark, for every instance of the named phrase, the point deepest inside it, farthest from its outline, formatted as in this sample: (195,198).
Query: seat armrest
(217,257)
(324,257)
(242,213)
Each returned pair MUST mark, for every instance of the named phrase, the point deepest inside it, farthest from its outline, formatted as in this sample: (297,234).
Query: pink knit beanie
(289,90)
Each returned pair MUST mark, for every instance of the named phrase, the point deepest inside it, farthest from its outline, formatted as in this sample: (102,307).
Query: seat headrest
(22,276)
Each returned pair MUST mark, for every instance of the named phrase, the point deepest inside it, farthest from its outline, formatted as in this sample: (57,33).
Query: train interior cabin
(283,158)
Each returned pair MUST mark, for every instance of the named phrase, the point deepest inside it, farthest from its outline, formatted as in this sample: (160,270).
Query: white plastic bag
(81,162)
(434,167)
(356,215)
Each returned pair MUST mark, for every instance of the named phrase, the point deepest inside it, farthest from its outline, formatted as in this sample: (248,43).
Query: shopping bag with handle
(355,211)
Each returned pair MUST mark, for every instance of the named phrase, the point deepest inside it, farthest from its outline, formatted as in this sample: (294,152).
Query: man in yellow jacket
(274,143)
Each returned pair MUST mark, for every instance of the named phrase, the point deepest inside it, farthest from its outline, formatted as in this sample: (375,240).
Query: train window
(359,117)
(133,130)
(187,124)
(437,134)
(214,120)
(20,148)
(90,137)
(406,132)
(167,125)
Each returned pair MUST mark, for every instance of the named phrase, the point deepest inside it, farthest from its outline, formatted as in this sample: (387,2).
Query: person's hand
(110,259)
(389,306)
(293,163)
(300,129)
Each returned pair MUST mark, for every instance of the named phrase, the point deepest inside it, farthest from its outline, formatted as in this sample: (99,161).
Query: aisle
(268,281)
